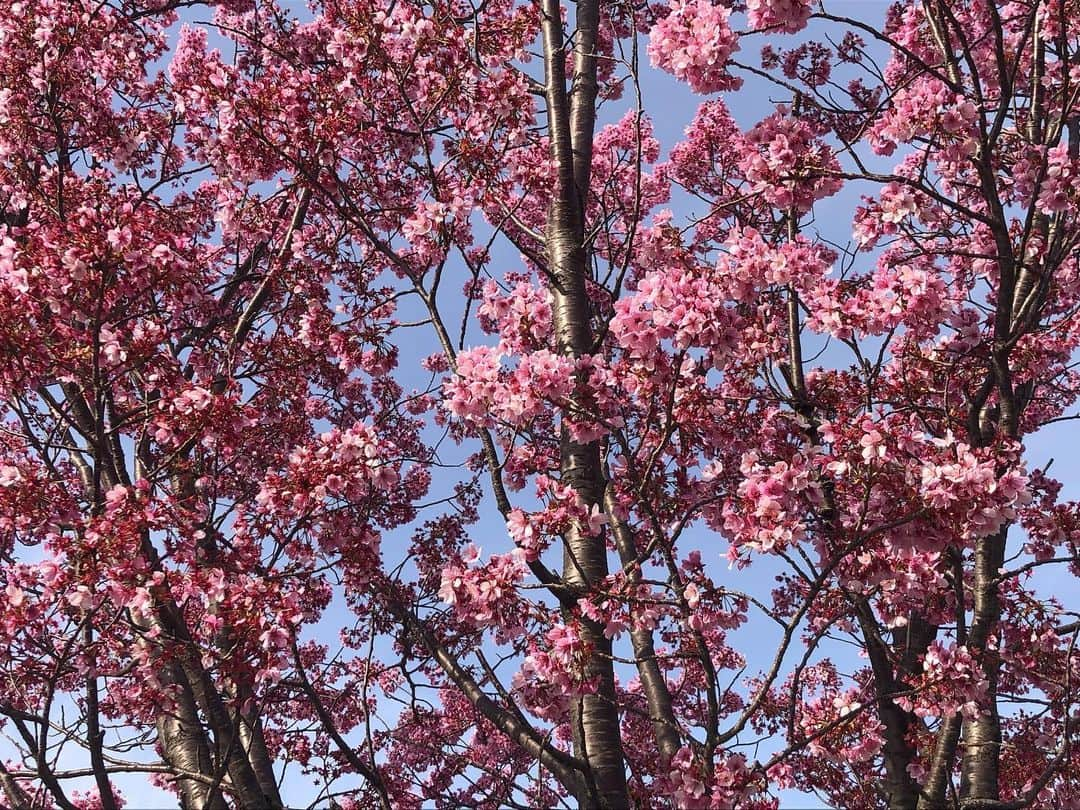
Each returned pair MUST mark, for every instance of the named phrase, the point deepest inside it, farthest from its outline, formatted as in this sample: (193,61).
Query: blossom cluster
(789,164)
(693,43)
(789,16)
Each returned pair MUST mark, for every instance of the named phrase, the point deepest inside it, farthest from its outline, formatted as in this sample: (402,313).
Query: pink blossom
(694,42)
(789,16)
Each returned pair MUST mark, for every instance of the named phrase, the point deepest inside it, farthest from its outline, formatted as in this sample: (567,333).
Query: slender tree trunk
(653,682)
(571,120)
(902,791)
(982,736)
(251,736)
(936,787)
(14,795)
(94,735)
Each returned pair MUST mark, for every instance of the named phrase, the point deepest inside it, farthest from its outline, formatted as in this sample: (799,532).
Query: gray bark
(13,793)
(653,683)
(936,786)
(982,736)
(571,120)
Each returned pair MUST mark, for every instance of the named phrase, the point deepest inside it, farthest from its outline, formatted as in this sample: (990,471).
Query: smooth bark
(571,120)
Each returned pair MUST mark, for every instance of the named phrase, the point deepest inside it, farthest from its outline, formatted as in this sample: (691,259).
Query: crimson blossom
(392,421)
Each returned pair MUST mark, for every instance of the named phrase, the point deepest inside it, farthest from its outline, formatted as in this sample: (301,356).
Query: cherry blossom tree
(302,307)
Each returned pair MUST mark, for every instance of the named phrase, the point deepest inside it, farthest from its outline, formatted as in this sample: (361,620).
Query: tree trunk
(902,791)
(571,120)
(185,747)
(653,681)
(982,736)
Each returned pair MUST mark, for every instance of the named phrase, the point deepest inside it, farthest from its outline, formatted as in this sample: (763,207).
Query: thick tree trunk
(249,789)
(571,119)
(185,746)
(239,749)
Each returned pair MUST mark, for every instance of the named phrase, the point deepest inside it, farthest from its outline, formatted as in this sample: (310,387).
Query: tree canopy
(390,418)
